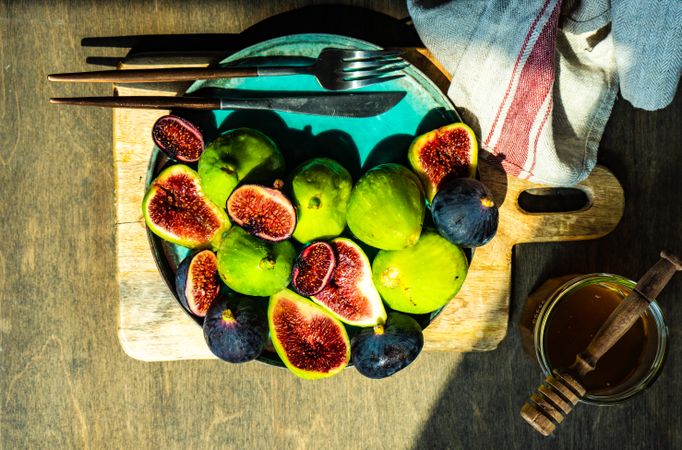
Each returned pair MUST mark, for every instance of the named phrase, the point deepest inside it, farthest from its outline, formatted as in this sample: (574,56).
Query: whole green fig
(386,208)
(321,190)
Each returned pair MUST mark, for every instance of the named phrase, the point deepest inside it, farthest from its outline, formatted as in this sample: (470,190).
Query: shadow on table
(360,23)
(357,22)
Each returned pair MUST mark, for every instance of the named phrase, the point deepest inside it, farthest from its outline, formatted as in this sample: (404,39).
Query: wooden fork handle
(169,75)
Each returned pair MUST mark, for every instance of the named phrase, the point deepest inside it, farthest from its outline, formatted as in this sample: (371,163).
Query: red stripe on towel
(516,66)
(537,137)
(535,83)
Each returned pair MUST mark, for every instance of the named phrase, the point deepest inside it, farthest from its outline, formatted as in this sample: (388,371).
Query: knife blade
(355,104)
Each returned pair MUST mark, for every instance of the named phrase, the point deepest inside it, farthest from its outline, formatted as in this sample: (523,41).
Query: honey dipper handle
(628,311)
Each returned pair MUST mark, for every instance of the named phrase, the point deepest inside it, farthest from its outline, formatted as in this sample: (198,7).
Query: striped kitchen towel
(537,81)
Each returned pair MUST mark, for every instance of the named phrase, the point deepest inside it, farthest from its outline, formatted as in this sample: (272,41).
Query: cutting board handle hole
(552,200)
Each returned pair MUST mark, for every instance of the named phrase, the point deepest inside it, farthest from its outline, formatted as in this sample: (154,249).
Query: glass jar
(561,317)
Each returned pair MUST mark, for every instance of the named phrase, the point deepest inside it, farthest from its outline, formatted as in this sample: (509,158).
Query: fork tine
(369,65)
(349,55)
(382,70)
(354,84)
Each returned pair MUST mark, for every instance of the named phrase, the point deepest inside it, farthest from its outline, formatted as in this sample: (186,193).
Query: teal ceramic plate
(357,143)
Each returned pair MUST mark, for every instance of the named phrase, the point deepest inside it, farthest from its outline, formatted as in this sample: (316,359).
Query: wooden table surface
(66,383)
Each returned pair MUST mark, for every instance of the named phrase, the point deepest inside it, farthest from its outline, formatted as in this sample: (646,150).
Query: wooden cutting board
(153,326)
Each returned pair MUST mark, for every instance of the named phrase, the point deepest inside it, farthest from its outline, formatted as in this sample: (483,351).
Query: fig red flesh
(197,282)
(177,206)
(263,212)
(447,152)
(311,342)
(350,294)
(314,268)
(178,138)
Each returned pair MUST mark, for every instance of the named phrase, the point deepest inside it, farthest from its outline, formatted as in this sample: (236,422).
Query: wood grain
(64,379)
(152,327)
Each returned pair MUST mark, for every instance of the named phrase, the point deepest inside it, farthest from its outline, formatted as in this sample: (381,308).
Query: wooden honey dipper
(555,398)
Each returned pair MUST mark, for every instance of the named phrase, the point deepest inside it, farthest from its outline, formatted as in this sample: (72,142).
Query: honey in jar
(561,318)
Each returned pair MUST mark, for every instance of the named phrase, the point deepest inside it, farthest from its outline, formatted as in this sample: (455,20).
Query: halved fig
(197,282)
(176,209)
(236,328)
(179,139)
(310,342)
(263,212)
(350,295)
(448,152)
(313,268)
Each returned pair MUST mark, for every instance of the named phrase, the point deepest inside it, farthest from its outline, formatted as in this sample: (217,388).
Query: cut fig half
(178,138)
(313,268)
(311,342)
(350,295)
(176,209)
(197,282)
(447,152)
(263,212)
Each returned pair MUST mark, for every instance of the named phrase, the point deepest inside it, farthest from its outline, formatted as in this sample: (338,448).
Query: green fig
(321,189)
(251,266)
(422,278)
(386,208)
(239,155)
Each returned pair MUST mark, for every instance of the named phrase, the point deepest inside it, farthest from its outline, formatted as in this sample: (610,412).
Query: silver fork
(338,69)
(335,69)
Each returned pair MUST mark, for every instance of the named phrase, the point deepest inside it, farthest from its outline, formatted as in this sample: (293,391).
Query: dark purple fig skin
(187,142)
(378,355)
(464,212)
(181,277)
(241,339)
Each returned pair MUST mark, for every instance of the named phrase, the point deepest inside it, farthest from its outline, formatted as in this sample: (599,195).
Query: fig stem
(379,329)
(487,202)
(314,202)
(268,262)
(227,316)
(228,169)
(389,277)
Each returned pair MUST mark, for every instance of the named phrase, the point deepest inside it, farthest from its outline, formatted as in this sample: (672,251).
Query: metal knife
(355,104)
